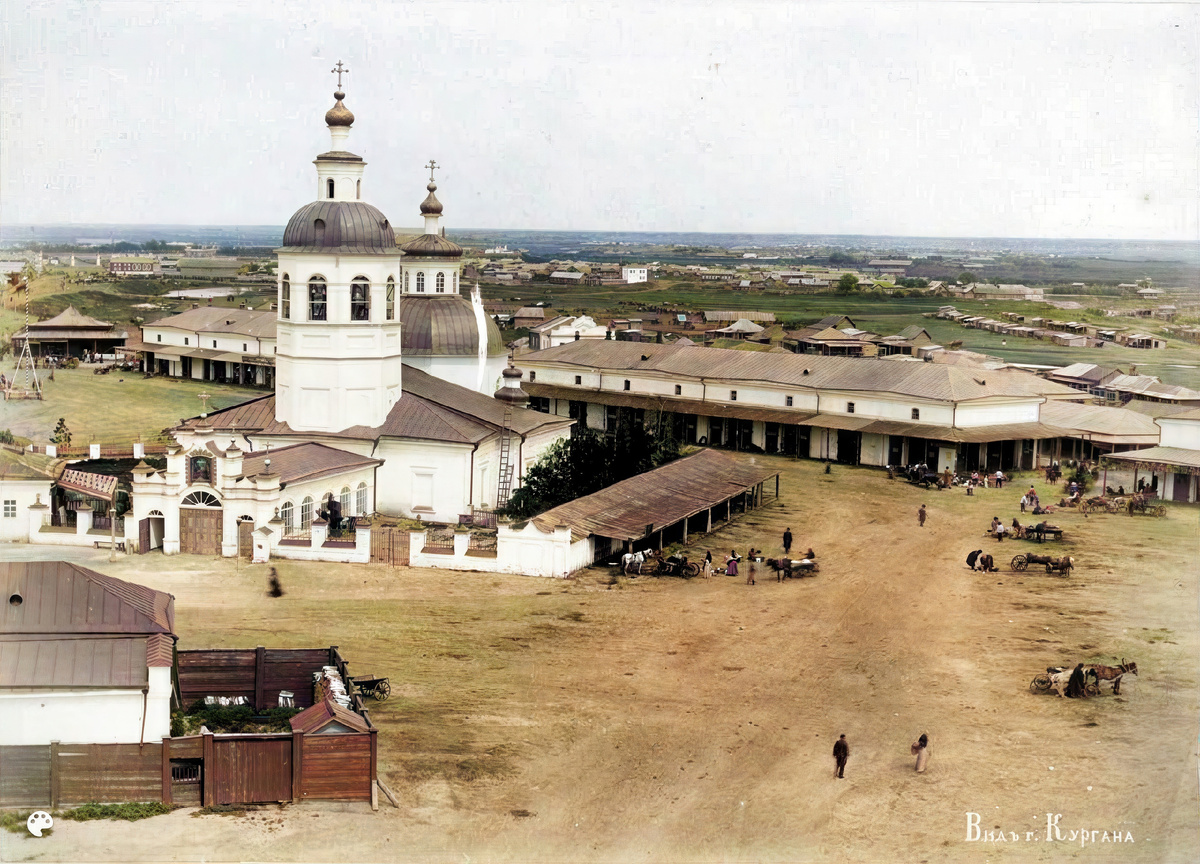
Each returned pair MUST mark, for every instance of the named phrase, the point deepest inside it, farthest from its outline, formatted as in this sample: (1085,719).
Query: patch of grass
(14,821)
(125,812)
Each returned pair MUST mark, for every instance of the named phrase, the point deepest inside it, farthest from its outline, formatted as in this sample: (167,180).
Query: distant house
(565,277)
(633,275)
(889,266)
(529,316)
(565,329)
(741,329)
(25,478)
(87,658)
(1140,340)
(717,276)
(1088,377)
(985,291)
(132,266)
(1149,292)
(728,317)
(208,268)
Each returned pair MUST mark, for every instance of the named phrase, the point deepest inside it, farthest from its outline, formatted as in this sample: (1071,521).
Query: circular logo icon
(38,822)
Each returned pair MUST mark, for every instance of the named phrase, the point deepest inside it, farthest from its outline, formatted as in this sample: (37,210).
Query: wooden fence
(64,775)
(257,674)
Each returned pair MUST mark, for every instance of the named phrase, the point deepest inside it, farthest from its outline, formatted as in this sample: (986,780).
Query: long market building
(849,410)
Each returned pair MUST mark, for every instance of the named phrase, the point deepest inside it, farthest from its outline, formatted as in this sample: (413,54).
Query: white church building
(384,390)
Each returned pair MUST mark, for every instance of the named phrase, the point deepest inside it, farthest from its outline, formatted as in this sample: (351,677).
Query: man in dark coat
(1076,683)
(973,557)
(841,752)
(787,541)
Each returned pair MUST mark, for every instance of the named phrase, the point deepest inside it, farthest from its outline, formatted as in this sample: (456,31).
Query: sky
(930,119)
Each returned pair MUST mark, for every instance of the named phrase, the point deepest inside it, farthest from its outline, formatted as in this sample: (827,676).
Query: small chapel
(392,396)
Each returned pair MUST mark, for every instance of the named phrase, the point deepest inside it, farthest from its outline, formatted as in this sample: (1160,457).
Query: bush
(127,812)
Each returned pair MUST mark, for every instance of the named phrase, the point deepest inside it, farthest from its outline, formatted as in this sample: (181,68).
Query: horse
(787,568)
(1060,677)
(1112,673)
(631,560)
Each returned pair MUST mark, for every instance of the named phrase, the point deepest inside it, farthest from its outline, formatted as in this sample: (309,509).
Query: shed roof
(102,486)
(740,314)
(71,318)
(660,497)
(1166,456)
(58,597)
(19,465)
(97,662)
(1102,423)
(318,716)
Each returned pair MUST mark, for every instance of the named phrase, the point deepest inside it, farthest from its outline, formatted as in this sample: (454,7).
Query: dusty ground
(660,720)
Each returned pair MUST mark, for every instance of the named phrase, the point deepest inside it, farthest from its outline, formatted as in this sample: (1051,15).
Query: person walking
(999,479)
(751,567)
(787,541)
(731,567)
(841,752)
(1024,502)
(921,516)
(707,568)
(920,749)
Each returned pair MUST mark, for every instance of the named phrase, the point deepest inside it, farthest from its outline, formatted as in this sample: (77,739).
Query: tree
(966,277)
(62,435)
(847,284)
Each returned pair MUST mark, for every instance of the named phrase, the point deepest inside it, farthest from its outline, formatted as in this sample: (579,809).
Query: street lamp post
(112,534)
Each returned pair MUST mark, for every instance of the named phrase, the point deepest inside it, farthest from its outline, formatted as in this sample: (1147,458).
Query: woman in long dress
(920,749)
(731,567)
(708,568)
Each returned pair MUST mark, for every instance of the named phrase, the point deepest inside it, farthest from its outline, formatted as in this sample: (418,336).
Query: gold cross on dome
(339,69)
(204,397)
(431,166)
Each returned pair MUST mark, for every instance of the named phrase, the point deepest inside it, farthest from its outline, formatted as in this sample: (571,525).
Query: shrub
(128,812)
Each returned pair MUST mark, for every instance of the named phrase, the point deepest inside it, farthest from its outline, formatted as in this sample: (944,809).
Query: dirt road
(664,720)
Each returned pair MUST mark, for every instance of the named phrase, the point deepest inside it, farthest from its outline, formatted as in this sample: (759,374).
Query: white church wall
(463,371)
(522,550)
(16,496)
(427,478)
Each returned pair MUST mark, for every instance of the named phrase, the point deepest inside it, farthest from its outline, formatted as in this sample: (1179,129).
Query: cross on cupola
(431,166)
(339,69)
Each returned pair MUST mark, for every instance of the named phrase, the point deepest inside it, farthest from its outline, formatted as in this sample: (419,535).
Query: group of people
(978,561)
(753,561)
(841,754)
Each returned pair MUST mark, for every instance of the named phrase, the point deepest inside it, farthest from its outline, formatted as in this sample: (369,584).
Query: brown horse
(1113,673)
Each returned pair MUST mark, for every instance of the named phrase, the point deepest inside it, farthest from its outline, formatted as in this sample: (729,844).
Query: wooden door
(1181,487)
(246,539)
(144,536)
(199,531)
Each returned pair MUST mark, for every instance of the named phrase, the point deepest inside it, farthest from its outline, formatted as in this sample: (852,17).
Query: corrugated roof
(71,318)
(96,662)
(1167,456)
(306,461)
(675,405)
(1114,425)
(100,486)
(444,325)
(736,315)
(47,335)
(660,497)
(320,715)
(58,597)
(926,380)
(1191,414)
(19,465)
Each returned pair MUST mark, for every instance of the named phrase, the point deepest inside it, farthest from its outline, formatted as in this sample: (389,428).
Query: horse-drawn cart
(369,686)
(1062,566)
(1145,505)
(1044,683)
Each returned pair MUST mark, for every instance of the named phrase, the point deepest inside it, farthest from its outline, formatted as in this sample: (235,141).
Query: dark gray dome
(345,226)
(444,325)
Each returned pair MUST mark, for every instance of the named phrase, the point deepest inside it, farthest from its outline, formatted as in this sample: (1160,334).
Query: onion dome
(345,226)
(431,205)
(432,246)
(444,326)
(339,114)
(510,391)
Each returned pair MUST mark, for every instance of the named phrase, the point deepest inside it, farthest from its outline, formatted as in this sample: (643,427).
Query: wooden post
(166,771)
(708,525)
(260,677)
(55,776)
(297,763)
(374,754)
(776,485)
(209,784)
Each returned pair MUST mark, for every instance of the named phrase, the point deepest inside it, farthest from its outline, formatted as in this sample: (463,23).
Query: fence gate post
(297,763)
(209,780)
(55,776)
(260,675)
(166,771)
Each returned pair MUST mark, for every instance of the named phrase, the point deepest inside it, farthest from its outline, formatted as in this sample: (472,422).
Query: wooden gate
(199,531)
(144,536)
(246,539)
(249,770)
(389,546)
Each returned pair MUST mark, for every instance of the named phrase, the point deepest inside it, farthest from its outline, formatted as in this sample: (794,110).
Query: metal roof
(46,335)
(60,598)
(351,227)
(71,317)
(431,246)
(925,380)
(660,497)
(1101,423)
(444,325)
(676,405)
(307,461)
(1167,457)
(726,315)
(96,662)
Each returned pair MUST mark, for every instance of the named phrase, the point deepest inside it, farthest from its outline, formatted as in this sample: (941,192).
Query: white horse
(631,560)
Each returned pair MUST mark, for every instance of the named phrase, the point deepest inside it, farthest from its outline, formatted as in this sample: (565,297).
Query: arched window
(390,297)
(455,281)
(306,512)
(319,229)
(288,514)
(406,281)
(360,299)
(358,190)
(345,499)
(201,499)
(285,298)
(420,283)
(316,298)
(441,282)
(360,504)
(329,188)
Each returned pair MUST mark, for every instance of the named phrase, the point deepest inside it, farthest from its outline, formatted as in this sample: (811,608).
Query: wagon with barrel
(1062,566)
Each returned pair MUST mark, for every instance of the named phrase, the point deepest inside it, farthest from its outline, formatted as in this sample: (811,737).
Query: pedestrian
(274,588)
(841,752)
(751,566)
(973,557)
(707,568)
(921,516)
(999,479)
(920,749)
(787,541)
(731,566)
(1024,502)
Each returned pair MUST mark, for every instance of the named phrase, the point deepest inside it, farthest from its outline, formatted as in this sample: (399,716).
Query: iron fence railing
(439,544)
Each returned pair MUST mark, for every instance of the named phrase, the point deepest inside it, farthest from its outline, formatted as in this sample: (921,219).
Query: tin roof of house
(58,598)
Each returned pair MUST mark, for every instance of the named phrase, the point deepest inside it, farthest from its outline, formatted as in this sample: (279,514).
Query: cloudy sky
(940,119)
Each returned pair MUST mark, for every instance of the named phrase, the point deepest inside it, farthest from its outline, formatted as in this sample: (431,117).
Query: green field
(119,406)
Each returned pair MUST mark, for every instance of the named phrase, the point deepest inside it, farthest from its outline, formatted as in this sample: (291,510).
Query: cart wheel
(1091,688)
(1158,510)
(691,571)
(383,691)
(1040,684)
(1019,562)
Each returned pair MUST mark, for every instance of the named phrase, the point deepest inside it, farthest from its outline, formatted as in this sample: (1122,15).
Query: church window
(159,337)
(421,283)
(201,499)
(360,300)
(306,512)
(329,188)
(316,298)
(358,189)
(285,298)
(319,228)
(360,503)
(344,498)
(406,280)
(199,469)
(455,281)
(288,514)
(390,297)
(441,283)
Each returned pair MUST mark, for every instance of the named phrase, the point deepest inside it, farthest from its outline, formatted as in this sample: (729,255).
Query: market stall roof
(1102,423)
(1175,459)
(100,486)
(660,497)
